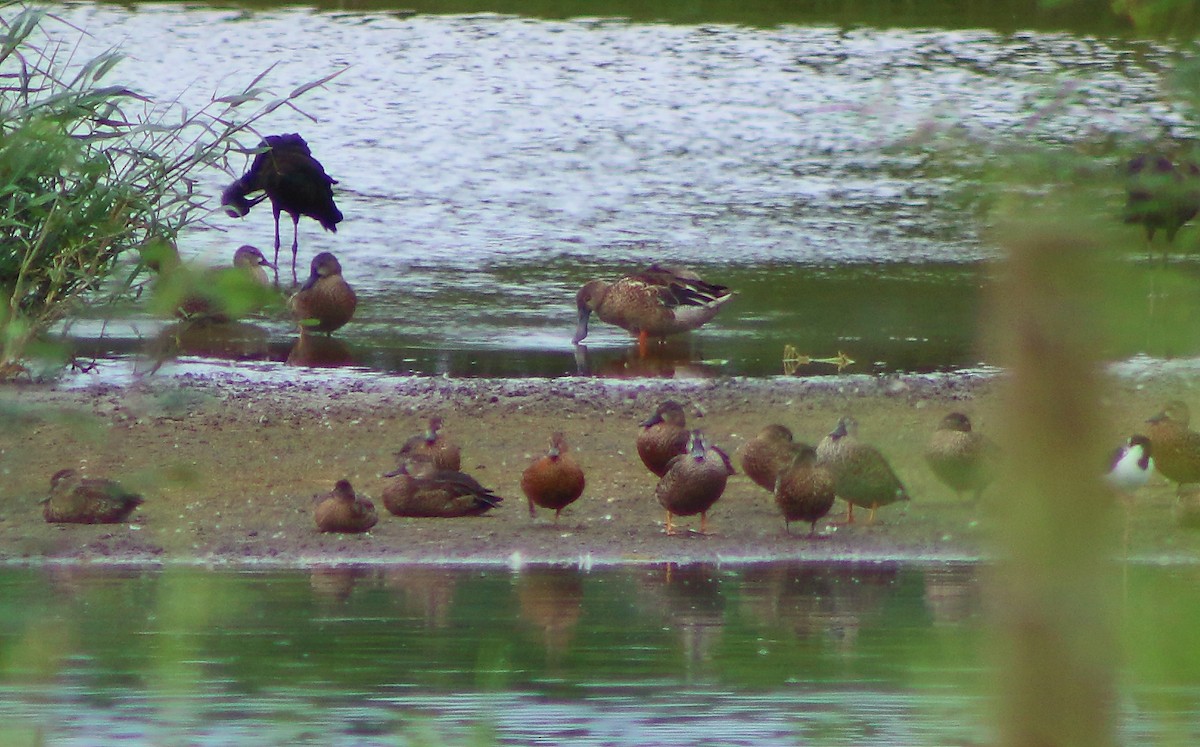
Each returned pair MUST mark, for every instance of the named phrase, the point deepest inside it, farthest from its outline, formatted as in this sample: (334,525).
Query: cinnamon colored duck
(693,482)
(664,436)
(804,489)
(861,474)
(655,302)
(326,302)
(553,481)
(340,510)
(1176,446)
(76,499)
(767,453)
(960,457)
(436,493)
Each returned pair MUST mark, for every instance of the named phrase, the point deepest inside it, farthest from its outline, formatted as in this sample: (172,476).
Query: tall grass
(92,171)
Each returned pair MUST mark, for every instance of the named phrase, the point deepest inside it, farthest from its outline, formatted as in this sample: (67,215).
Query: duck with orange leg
(804,490)
(655,302)
(693,482)
(553,481)
(861,473)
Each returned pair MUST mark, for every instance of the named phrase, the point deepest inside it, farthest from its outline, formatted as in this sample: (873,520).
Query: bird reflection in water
(551,599)
(235,341)
(318,351)
(427,592)
(672,359)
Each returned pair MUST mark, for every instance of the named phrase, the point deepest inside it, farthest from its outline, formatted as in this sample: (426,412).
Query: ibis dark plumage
(293,181)
(1162,195)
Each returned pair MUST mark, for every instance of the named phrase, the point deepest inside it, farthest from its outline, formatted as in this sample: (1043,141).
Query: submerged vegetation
(93,176)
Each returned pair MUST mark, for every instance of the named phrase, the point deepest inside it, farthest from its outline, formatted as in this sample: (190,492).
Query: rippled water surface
(841,655)
(490,164)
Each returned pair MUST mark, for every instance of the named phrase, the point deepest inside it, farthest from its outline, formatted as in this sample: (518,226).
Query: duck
(1131,465)
(768,452)
(1176,446)
(221,295)
(1161,194)
(295,182)
(340,510)
(664,436)
(326,301)
(429,492)
(693,481)
(75,499)
(553,481)
(960,457)
(861,473)
(431,446)
(655,302)
(804,489)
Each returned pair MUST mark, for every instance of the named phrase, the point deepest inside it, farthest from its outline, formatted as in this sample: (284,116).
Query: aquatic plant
(96,180)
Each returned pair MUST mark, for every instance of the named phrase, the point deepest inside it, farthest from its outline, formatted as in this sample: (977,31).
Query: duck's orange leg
(871,516)
(849,512)
(670,527)
(643,343)
(703,522)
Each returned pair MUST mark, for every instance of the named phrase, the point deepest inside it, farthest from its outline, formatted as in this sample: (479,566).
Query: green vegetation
(91,174)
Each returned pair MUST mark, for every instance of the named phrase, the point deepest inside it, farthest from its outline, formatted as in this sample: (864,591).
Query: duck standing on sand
(767,453)
(693,482)
(655,302)
(663,437)
(961,458)
(1176,446)
(340,510)
(553,481)
(75,499)
(804,489)
(326,301)
(861,474)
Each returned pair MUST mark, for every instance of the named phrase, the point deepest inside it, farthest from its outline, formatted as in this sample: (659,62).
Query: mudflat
(229,468)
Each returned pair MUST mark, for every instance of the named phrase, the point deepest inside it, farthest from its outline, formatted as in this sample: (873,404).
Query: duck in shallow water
(663,437)
(75,499)
(693,482)
(553,481)
(340,510)
(861,474)
(326,302)
(655,302)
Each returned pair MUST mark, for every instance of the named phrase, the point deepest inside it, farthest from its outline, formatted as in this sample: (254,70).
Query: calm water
(490,163)
(842,655)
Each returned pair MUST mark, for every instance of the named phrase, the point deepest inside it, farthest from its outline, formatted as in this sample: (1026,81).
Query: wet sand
(229,468)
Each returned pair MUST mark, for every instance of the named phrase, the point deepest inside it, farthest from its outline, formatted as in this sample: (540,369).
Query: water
(833,170)
(756,655)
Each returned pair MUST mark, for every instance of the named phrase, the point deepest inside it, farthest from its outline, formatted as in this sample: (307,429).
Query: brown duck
(326,301)
(664,436)
(340,510)
(961,458)
(767,453)
(804,489)
(693,482)
(76,499)
(655,302)
(431,446)
(436,493)
(1176,446)
(861,473)
(553,481)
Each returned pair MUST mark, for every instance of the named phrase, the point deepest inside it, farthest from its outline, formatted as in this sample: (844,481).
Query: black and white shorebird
(1131,466)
